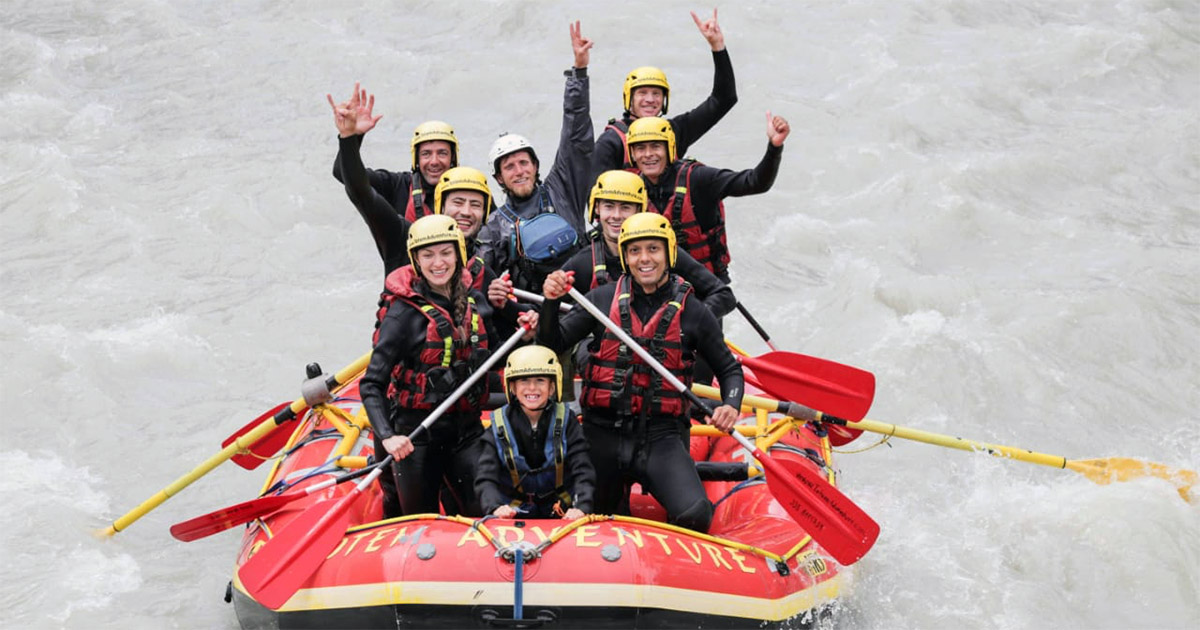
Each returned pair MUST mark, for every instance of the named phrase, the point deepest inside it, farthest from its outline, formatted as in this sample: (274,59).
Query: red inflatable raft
(755,568)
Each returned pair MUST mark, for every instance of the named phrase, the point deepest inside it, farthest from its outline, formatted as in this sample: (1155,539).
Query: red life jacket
(416,207)
(708,247)
(618,379)
(622,130)
(450,353)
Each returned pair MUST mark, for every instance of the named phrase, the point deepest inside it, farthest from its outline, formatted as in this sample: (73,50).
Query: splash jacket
(612,152)
(533,470)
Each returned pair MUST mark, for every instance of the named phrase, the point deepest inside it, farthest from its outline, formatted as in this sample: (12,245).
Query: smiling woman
(434,332)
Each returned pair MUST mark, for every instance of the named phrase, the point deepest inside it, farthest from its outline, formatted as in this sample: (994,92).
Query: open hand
(355,116)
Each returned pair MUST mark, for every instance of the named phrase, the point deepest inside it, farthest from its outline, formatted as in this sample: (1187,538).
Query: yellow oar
(242,443)
(1101,471)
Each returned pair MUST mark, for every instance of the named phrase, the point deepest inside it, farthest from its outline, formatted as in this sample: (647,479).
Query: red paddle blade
(830,517)
(836,389)
(225,518)
(268,445)
(289,559)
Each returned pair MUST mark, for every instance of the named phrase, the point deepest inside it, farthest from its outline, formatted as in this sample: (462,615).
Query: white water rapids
(992,206)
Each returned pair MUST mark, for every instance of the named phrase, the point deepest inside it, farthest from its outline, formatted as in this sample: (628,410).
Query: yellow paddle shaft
(242,443)
(1101,471)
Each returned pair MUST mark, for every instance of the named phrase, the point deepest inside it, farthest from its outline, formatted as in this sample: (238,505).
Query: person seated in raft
(516,168)
(637,424)
(690,194)
(460,192)
(535,460)
(435,330)
(647,93)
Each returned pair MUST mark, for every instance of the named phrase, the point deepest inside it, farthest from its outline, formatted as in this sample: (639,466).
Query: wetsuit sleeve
(709,342)
(382,181)
(711,185)
(608,155)
(572,170)
(400,335)
(389,229)
(581,264)
(716,295)
(580,471)
(487,475)
(691,125)
(561,332)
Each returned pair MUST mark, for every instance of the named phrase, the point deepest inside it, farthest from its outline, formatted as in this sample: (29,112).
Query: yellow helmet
(646,76)
(652,129)
(646,225)
(463,178)
(529,361)
(617,186)
(434,130)
(432,229)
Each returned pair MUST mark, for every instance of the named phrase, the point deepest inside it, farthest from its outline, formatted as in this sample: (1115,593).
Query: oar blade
(834,388)
(289,559)
(1110,469)
(225,518)
(830,517)
(265,447)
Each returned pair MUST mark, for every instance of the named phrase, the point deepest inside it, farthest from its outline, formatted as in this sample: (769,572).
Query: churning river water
(992,206)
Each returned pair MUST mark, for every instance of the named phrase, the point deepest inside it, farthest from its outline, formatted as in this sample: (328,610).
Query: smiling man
(516,167)
(616,196)
(690,194)
(433,148)
(636,424)
(647,93)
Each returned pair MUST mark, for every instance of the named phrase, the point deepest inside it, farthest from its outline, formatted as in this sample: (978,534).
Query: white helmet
(507,144)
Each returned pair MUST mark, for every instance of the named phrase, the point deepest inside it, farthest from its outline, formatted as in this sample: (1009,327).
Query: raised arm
(690,126)
(571,172)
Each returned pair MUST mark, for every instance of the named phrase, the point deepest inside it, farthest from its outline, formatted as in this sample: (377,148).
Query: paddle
(537,299)
(273,574)
(239,444)
(234,515)
(841,389)
(833,520)
(268,445)
(1102,471)
(754,324)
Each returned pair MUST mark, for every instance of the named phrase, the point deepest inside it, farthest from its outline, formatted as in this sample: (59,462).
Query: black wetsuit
(655,452)
(710,185)
(395,188)
(688,126)
(579,476)
(450,447)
